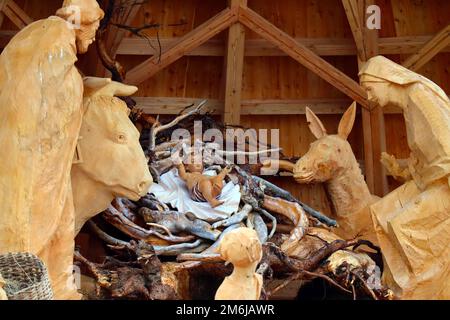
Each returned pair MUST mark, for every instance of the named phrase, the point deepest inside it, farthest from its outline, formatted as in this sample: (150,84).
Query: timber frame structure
(274,42)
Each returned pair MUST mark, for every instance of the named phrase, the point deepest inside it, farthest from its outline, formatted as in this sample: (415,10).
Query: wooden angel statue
(202,187)
(242,248)
(41,94)
(3,295)
(413,222)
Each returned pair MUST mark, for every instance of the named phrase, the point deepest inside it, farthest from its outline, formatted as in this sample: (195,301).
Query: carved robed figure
(41,94)
(413,222)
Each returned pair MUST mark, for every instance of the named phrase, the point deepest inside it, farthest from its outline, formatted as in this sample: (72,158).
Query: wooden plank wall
(278,77)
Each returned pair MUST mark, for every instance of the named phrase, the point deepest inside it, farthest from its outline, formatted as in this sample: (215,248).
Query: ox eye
(121,138)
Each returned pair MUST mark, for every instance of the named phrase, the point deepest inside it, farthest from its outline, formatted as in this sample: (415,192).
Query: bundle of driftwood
(157,252)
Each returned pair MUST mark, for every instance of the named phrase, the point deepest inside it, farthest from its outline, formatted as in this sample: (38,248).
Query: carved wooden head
(329,154)
(84,16)
(241,247)
(109,142)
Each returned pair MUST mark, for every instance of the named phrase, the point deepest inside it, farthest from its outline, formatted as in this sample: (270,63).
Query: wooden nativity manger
(246,121)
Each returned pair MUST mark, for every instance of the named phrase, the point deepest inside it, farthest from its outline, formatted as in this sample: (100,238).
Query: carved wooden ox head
(329,154)
(109,145)
(109,160)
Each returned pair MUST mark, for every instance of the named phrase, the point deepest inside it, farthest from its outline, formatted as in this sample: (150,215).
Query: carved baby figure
(202,187)
(242,248)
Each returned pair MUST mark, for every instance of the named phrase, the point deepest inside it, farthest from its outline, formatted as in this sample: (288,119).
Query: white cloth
(172,189)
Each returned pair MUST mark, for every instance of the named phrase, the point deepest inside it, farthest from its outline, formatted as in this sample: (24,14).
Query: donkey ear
(347,121)
(315,125)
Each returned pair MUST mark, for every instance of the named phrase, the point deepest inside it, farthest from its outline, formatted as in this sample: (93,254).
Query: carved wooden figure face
(86,36)
(329,153)
(377,92)
(89,14)
(241,247)
(109,144)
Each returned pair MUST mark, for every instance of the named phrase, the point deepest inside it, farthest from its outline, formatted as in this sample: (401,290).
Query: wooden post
(234,65)
(373,121)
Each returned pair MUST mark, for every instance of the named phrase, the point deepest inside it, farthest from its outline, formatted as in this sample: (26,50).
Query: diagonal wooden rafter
(302,54)
(429,50)
(353,12)
(11,10)
(188,42)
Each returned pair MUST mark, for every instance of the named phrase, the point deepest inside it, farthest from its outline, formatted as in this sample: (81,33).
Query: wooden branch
(115,218)
(187,43)
(303,55)
(273,190)
(15,14)
(429,50)
(158,127)
(115,34)
(234,65)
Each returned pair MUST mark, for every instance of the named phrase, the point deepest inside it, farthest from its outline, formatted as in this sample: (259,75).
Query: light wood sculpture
(242,248)
(41,94)
(3,295)
(202,187)
(110,161)
(413,222)
(330,160)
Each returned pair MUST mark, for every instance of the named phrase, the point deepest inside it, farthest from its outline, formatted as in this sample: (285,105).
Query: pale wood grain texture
(96,180)
(242,248)
(42,109)
(413,211)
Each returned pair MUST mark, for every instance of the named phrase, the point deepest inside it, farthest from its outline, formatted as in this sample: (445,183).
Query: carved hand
(395,168)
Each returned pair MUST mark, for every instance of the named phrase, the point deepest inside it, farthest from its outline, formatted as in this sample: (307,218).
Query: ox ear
(106,87)
(315,125)
(117,89)
(347,121)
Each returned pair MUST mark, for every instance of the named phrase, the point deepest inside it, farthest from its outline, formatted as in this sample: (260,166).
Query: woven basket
(26,277)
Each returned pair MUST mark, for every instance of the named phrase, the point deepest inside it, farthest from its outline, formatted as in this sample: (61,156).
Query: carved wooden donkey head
(111,161)
(329,154)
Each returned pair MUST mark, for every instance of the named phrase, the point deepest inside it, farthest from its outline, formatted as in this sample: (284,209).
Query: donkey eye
(121,138)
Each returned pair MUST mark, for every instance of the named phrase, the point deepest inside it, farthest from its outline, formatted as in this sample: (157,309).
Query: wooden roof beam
(263,48)
(11,10)
(429,50)
(187,43)
(303,55)
(174,105)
